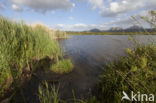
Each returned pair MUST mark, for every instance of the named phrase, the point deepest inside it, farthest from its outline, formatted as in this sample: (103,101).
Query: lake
(96,50)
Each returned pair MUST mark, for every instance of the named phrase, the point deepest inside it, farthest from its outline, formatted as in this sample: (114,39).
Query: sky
(77,15)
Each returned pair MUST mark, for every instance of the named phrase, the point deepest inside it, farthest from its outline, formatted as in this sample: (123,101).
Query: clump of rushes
(62,66)
(48,94)
(19,44)
(136,72)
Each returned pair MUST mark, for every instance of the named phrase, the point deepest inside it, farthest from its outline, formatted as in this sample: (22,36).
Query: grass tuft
(62,66)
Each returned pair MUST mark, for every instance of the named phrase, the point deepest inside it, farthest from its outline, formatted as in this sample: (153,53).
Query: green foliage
(136,72)
(62,66)
(48,94)
(59,34)
(19,44)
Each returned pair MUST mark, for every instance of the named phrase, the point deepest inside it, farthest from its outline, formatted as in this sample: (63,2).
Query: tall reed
(19,44)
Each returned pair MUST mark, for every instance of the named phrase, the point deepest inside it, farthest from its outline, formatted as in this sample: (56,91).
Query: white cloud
(78,27)
(85,27)
(114,6)
(16,8)
(109,8)
(123,22)
(44,5)
(96,3)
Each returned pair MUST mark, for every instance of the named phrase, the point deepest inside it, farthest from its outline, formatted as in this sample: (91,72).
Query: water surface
(99,49)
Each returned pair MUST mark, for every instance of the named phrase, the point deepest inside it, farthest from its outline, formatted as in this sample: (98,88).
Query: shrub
(136,72)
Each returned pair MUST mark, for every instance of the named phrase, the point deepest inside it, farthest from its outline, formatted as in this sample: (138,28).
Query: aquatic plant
(48,94)
(62,66)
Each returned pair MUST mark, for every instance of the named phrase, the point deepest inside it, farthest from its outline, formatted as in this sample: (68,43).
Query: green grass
(62,66)
(48,94)
(60,35)
(19,45)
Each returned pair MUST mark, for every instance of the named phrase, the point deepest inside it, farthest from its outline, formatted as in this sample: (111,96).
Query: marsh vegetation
(20,46)
(34,67)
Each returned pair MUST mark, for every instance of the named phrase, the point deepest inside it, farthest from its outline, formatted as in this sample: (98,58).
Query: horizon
(77,15)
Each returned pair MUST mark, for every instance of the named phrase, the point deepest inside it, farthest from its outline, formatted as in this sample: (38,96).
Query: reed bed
(20,44)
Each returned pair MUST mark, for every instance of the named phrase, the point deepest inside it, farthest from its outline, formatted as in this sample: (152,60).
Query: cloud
(127,21)
(105,26)
(16,8)
(43,5)
(123,22)
(78,27)
(112,8)
(96,3)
